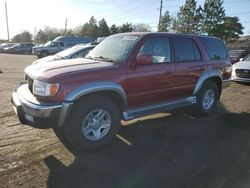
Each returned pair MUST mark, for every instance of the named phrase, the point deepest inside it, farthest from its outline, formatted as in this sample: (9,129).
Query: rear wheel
(207,98)
(93,123)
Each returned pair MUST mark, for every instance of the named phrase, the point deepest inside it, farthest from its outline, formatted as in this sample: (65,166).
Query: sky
(32,15)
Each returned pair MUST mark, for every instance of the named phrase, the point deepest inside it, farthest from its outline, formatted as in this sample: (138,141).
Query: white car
(241,70)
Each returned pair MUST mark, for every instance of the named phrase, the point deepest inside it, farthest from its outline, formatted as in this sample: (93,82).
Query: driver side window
(159,48)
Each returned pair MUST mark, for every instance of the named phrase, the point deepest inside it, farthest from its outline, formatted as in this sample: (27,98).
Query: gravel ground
(175,150)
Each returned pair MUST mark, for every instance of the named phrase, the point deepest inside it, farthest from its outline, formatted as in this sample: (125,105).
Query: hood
(242,65)
(52,69)
(47,59)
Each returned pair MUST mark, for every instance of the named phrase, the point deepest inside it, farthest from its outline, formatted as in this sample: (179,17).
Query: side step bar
(156,108)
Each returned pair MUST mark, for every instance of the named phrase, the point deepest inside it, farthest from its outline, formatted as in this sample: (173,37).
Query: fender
(95,87)
(204,76)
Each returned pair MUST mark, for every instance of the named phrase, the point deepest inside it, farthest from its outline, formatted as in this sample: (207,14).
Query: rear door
(188,62)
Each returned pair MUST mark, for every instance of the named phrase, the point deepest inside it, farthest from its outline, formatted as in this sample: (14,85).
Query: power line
(237,13)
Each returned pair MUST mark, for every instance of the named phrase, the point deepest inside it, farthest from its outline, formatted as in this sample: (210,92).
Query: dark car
(126,76)
(236,55)
(19,48)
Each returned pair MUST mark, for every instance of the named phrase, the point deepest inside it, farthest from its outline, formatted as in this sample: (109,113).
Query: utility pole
(160,15)
(65,30)
(7,21)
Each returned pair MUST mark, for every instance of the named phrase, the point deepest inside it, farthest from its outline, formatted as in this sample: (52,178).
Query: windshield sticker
(130,38)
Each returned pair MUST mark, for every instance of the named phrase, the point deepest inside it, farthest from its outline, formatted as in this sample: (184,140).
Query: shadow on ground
(178,150)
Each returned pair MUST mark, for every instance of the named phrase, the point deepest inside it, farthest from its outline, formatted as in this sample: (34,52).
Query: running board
(159,107)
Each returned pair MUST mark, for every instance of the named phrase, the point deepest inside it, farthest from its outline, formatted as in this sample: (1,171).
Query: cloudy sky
(33,15)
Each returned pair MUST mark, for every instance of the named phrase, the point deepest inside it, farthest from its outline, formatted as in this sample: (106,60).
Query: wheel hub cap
(208,99)
(96,124)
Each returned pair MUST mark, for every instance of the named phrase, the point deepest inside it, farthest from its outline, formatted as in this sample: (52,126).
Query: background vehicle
(236,55)
(59,44)
(241,70)
(5,45)
(19,48)
(126,76)
(77,51)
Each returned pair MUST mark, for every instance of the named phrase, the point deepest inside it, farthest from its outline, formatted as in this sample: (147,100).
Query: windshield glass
(69,51)
(114,49)
(48,43)
(247,58)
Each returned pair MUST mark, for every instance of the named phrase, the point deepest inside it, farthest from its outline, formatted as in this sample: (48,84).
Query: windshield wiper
(104,58)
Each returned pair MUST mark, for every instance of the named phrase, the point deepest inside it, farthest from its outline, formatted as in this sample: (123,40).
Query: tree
(23,37)
(41,37)
(114,29)
(229,30)
(188,18)
(103,30)
(165,22)
(213,14)
(141,27)
(125,28)
(90,29)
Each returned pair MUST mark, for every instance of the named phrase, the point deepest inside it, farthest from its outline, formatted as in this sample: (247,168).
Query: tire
(44,54)
(93,123)
(207,98)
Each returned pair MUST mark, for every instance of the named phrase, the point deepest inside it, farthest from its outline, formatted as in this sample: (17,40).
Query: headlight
(44,89)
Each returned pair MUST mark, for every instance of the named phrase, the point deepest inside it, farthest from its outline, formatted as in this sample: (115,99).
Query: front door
(148,84)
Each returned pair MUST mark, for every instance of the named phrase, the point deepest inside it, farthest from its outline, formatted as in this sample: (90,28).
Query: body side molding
(203,77)
(95,87)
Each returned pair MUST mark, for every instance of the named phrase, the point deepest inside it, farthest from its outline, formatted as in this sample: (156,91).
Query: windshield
(114,49)
(69,51)
(247,58)
(48,43)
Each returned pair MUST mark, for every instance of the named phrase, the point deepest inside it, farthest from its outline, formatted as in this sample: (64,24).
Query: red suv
(126,76)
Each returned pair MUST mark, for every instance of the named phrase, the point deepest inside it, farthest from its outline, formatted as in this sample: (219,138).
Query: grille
(30,81)
(243,73)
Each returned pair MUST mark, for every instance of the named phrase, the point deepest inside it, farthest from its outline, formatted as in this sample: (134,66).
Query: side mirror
(144,59)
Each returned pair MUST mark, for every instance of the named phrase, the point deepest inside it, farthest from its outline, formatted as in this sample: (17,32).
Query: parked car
(126,76)
(236,55)
(19,48)
(59,44)
(5,45)
(77,51)
(241,70)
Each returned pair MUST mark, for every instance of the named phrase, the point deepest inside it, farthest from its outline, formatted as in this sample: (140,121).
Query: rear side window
(186,50)
(215,48)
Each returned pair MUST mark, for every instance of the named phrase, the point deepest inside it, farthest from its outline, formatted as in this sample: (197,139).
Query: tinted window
(215,48)
(159,49)
(186,50)
(61,44)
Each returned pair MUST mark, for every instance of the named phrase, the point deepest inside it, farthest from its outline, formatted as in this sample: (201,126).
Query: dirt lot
(165,150)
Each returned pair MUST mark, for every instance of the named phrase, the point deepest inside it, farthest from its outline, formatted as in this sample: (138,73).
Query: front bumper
(33,112)
(237,79)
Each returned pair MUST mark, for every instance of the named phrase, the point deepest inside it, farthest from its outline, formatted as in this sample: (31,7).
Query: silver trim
(97,86)
(203,77)
(156,108)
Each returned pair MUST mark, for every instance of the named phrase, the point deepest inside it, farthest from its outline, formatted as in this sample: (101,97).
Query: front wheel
(207,98)
(93,123)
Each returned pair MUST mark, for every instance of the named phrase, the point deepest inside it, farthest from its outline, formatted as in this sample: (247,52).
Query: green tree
(103,29)
(41,37)
(187,20)
(229,30)
(114,29)
(23,37)
(141,27)
(213,14)
(165,22)
(125,28)
(90,29)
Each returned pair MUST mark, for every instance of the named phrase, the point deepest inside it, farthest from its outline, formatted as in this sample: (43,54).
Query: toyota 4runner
(126,76)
